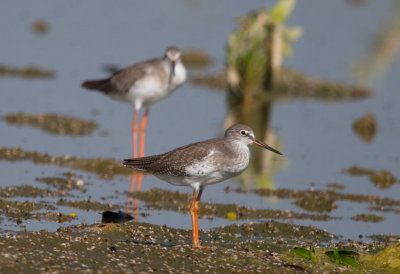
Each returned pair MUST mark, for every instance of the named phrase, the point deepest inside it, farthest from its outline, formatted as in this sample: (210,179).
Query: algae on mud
(86,205)
(69,182)
(366,127)
(105,168)
(30,191)
(53,123)
(368,218)
(26,72)
(382,179)
(386,260)
(316,202)
(17,211)
(314,197)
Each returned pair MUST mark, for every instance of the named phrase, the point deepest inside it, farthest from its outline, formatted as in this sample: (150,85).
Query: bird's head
(245,135)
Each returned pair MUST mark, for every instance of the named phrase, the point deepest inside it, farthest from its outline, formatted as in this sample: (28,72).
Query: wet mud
(133,247)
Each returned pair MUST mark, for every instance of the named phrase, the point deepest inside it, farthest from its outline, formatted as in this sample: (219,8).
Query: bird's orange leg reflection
(139,176)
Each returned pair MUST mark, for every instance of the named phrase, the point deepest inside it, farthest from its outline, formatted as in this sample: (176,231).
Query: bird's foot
(201,246)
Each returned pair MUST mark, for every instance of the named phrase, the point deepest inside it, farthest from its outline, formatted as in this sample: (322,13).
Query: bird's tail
(141,164)
(95,84)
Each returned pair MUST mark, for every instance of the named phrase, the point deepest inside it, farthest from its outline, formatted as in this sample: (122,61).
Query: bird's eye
(243,132)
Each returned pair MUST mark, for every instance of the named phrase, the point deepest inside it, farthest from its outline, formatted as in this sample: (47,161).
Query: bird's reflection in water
(132,204)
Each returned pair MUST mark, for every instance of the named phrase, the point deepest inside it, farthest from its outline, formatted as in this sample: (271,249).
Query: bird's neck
(240,155)
(238,147)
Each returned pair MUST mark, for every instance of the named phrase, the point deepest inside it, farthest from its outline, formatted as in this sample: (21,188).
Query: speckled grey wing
(124,79)
(174,162)
(121,81)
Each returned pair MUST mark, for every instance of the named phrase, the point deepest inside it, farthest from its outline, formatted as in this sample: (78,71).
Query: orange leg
(142,141)
(134,134)
(141,154)
(134,145)
(194,210)
(193,214)
(143,131)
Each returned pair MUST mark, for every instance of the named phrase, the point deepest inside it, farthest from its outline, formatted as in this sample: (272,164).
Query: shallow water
(317,137)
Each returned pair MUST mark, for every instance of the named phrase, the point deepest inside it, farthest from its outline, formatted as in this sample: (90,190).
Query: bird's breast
(179,76)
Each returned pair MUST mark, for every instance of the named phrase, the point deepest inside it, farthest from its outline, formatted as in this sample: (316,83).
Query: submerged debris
(26,72)
(53,123)
(366,127)
(194,58)
(40,27)
(104,168)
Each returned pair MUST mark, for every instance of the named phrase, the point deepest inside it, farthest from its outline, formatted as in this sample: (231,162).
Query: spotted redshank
(201,164)
(143,84)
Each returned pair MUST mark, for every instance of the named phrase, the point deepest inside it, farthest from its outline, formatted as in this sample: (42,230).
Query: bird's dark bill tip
(273,150)
(261,144)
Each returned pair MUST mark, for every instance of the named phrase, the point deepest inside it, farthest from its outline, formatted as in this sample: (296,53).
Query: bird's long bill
(172,74)
(261,144)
